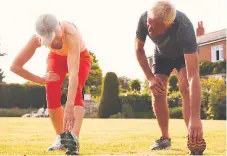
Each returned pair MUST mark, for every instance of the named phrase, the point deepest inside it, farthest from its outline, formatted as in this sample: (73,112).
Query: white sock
(58,136)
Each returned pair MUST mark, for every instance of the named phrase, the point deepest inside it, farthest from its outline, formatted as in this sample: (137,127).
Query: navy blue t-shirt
(178,40)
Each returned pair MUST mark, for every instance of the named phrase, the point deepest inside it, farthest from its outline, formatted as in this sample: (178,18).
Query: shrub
(174,99)
(96,99)
(138,102)
(176,113)
(118,115)
(127,111)
(207,68)
(214,98)
(144,115)
(110,102)
(222,65)
(173,83)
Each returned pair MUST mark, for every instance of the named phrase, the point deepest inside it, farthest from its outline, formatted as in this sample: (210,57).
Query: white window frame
(214,49)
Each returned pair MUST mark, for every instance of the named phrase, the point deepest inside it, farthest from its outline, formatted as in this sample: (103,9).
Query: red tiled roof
(211,37)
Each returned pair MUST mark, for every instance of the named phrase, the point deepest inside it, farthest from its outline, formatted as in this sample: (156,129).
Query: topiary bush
(110,101)
(173,83)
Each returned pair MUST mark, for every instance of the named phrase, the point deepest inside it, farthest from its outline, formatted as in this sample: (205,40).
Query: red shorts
(58,64)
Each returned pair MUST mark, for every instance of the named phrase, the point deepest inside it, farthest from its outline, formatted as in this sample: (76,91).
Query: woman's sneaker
(71,143)
(57,144)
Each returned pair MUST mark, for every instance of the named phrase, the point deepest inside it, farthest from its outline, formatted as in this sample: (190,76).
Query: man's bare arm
(142,59)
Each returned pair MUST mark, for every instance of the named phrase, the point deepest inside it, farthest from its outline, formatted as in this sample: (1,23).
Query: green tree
(110,100)
(1,75)
(1,72)
(146,88)
(135,85)
(214,98)
(2,54)
(94,81)
(124,83)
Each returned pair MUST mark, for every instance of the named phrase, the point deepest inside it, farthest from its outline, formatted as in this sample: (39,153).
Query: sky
(108,27)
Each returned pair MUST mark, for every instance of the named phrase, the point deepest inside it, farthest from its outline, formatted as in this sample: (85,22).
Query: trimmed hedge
(139,103)
(176,113)
(208,68)
(15,112)
(22,96)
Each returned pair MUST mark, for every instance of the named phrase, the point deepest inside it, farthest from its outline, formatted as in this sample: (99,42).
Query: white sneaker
(57,144)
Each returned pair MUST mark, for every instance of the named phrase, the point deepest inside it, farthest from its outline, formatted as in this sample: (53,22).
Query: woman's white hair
(45,26)
(163,10)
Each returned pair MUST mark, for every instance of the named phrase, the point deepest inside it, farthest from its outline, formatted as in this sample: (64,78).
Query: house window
(217,53)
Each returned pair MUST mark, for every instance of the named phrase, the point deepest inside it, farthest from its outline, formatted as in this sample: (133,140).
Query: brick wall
(205,51)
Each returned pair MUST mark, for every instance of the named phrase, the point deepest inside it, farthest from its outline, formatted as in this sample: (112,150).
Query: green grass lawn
(32,136)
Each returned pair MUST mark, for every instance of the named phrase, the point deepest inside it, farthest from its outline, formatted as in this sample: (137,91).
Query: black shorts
(162,65)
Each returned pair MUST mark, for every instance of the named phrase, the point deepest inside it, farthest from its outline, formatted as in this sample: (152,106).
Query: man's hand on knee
(157,87)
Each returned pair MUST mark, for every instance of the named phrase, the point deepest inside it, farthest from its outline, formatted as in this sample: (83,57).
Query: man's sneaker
(196,153)
(196,148)
(56,145)
(71,143)
(162,143)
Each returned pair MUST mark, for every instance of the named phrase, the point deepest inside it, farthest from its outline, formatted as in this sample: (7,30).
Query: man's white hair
(163,10)
(45,26)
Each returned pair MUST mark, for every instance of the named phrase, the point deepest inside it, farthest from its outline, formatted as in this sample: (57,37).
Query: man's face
(156,27)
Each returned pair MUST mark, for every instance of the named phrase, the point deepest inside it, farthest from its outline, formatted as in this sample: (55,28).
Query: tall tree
(135,85)
(2,54)
(1,72)
(124,83)
(1,75)
(94,81)
(146,89)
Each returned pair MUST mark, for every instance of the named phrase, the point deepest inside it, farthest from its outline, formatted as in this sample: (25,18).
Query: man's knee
(159,99)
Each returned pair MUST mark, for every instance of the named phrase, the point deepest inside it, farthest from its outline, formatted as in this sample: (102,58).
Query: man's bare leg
(161,111)
(160,107)
(184,89)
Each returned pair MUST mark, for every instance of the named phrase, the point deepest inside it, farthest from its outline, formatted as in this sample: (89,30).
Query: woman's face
(57,41)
